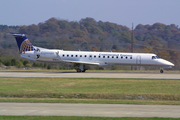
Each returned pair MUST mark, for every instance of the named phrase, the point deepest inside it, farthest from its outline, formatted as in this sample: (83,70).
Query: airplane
(83,58)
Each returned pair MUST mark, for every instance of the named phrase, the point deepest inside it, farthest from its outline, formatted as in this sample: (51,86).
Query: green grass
(89,85)
(109,90)
(78,118)
(94,101)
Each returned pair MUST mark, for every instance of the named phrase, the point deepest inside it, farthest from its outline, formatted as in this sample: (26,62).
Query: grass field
(94,101)
(90,90)
(77,118)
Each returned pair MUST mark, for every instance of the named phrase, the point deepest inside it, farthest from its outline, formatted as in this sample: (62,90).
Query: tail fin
(23,43)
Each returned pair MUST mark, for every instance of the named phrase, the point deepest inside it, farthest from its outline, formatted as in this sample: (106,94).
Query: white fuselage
(96,58)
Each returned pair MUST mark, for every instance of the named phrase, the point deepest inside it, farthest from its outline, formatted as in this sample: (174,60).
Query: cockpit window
(157,57)
(153,57)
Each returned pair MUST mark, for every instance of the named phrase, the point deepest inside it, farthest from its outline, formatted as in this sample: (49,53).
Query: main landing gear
(161,71)
(81,68)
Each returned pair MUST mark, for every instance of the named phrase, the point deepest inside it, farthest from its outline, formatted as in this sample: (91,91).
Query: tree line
(88,34)
(23,64)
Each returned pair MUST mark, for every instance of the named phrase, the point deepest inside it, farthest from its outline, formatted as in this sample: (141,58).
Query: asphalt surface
(101,110)
(88,74)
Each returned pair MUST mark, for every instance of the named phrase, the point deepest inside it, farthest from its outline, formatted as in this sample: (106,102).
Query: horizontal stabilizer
(18,34)
(28,58)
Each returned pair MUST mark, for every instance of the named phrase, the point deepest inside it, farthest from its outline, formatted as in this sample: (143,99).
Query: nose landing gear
(165,67)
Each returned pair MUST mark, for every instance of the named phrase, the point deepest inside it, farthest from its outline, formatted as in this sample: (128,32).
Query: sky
(121,12)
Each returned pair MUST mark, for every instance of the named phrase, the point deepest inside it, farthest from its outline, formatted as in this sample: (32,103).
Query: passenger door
(138,59)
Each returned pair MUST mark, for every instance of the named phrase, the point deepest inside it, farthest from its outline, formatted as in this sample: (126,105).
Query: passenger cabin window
(80,55)
(112,56)
(63,55)
(84,55)
(99,56)
(121,57)
(71,55)
(76,55)
(116,56)
(108,56)
(130,57)
(103,56)
(94,56)
(126,57)
(67,55)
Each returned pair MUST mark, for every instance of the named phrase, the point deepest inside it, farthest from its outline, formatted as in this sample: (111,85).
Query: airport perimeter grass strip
(79,118)
(92,101)
(90,90)
(88,85)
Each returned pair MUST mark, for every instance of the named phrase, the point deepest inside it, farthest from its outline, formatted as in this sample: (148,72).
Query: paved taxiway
(73,74)
(106,110)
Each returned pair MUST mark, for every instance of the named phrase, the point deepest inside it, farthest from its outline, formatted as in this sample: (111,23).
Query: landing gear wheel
(84,70)
(161,71)
(78,70)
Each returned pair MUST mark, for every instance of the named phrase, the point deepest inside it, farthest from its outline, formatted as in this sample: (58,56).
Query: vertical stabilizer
(23,43)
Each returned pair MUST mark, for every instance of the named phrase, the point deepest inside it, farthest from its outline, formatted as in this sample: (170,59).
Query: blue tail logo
(23,43)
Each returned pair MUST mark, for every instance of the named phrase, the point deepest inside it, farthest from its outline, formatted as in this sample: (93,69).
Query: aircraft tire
(84,70)
(161,71)
(78,70)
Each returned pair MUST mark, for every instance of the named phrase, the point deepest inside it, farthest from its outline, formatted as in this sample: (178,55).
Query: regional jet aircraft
(82,58)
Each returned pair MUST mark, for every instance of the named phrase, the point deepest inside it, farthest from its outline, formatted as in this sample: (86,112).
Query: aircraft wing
(82,62)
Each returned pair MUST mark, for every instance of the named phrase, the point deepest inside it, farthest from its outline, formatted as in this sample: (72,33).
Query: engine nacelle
(46,54)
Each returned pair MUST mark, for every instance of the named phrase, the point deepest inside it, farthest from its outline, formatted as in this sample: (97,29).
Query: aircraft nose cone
(171,64)
(167,63)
